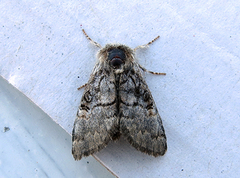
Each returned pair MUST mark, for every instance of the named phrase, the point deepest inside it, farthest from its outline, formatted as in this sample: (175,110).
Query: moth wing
(96,119)
(140,122)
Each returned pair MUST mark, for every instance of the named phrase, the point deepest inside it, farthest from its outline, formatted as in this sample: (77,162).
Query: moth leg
(146,45)
(155,73)
(95,43)
(79,88)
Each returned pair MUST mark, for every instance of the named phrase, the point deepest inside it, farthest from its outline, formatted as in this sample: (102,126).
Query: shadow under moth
(116,101)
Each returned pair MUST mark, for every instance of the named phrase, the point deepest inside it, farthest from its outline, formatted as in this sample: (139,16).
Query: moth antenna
(95,43)
(146,45)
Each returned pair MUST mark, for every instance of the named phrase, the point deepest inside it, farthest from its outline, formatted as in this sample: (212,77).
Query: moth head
(116,58)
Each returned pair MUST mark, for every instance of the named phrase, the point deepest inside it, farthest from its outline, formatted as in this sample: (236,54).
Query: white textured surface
(45,55)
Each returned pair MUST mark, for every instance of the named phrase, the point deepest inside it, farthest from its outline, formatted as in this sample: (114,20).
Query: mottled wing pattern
(96,118)
(140,122)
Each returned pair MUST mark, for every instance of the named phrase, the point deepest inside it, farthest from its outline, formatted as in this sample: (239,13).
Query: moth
(116,101)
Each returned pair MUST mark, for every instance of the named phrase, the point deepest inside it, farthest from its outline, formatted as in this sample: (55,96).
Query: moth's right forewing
(96,119)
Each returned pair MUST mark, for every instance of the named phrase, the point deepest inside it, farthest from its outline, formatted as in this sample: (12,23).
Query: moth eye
(116,57)
(88,96)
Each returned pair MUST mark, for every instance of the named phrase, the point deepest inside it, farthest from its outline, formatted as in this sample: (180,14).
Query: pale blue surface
(34,145)
(45,55)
